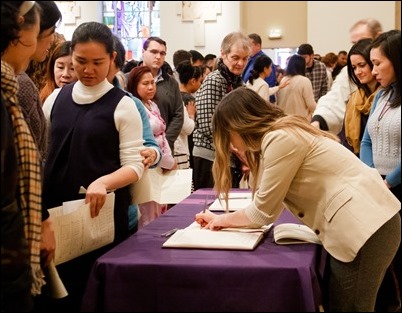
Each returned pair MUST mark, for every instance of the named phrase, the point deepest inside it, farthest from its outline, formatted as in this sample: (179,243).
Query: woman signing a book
(294,165)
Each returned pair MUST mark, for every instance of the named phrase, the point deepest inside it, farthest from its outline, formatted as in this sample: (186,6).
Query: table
(140,276)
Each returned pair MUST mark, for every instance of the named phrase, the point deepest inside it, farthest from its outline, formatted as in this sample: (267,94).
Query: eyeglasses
(156,52)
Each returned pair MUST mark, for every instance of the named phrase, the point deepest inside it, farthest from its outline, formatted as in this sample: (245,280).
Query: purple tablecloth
(140,276)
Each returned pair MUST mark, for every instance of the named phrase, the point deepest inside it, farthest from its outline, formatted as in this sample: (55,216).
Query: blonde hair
(243,111)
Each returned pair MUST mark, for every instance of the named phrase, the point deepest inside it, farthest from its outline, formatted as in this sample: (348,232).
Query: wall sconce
(275,33)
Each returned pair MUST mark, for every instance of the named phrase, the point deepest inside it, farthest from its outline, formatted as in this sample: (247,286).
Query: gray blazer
(326,186)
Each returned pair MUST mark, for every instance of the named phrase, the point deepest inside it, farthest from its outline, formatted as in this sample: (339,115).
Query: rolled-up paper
(56,286)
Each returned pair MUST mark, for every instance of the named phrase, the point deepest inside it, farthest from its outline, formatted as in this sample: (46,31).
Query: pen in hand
(205,208)
(206,204)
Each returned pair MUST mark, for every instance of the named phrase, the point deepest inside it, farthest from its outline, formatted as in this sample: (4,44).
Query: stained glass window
(133,22)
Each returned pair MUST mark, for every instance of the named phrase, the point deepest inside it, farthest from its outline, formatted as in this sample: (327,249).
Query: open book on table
(292,233)
(195,237)
(237,201)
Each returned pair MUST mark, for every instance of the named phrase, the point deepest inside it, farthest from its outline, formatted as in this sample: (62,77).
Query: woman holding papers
(320,181)
(141,83)
(95,142)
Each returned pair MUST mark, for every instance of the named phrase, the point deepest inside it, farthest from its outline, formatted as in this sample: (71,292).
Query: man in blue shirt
(255,44)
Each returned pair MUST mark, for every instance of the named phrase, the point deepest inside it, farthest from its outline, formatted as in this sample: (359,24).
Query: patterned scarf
(358,104)
(233,80)
(29,175)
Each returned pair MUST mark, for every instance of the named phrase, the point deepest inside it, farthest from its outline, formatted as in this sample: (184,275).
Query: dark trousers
(389,294)
(202,173)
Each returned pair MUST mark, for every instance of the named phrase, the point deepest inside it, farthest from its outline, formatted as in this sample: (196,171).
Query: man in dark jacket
(168,95)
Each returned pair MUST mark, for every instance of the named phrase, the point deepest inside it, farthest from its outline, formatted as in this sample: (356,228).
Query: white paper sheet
(170,187)
(237,201)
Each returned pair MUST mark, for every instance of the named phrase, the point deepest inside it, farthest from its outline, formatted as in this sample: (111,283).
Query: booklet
(237,201)
(77,232)
(292,233)
(195,237)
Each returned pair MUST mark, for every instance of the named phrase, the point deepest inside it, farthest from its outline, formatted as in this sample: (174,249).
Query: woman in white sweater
(95,142)
(261,70)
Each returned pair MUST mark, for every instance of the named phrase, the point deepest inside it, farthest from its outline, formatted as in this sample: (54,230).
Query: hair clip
(25,7)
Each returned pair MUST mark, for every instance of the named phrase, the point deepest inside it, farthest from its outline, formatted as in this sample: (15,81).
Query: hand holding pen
(205,217)
(208,219)
(202,221)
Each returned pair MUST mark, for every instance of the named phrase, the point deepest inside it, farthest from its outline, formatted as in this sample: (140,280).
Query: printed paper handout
(77,232)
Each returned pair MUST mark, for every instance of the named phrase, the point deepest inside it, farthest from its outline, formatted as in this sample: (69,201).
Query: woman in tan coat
(306,170)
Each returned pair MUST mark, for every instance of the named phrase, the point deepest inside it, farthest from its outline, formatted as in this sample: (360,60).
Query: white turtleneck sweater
(126,116)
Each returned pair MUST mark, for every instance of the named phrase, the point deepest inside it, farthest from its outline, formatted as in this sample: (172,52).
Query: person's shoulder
(342,79)
(287,138)
(129,103)
(213,79)
(25,82)
(320,65)
(300,79)
(283,141)
(217,77)
(261,52)
(277,135)
(168,80)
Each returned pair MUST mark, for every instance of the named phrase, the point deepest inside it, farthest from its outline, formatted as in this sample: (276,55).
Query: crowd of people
(321,138)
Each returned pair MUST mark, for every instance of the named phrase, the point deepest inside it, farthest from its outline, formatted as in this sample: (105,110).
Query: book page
(196,237)
(77,233)
(237,201)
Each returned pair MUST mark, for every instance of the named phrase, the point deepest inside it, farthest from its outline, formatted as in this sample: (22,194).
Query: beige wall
(89,11)
(329,21)
(288,16)
(323,24)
